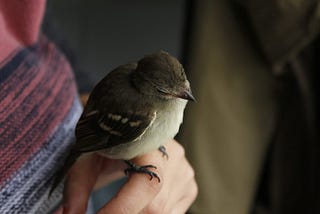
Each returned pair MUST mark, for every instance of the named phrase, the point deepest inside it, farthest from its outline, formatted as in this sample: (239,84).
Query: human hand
(174,194)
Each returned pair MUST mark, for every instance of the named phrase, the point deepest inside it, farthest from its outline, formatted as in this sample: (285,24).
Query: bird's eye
(159,90)
(162,91)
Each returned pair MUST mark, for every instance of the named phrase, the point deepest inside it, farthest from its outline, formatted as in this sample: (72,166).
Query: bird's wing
(96,131)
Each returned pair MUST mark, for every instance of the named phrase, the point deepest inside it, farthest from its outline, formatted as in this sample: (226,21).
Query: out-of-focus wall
(106,33)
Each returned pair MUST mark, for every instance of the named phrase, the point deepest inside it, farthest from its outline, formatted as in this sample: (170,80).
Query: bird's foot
(141,169)
(163,150)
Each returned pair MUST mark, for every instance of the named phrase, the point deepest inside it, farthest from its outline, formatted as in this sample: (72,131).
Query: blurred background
(101,35)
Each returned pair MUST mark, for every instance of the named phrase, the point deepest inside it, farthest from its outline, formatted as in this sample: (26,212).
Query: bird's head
(162,75)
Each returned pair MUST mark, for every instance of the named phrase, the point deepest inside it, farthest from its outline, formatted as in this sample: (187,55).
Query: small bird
(136,108)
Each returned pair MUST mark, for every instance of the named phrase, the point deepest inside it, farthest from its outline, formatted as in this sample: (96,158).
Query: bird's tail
(61,173)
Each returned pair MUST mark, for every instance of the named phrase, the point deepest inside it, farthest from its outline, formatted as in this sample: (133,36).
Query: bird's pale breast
(164,127)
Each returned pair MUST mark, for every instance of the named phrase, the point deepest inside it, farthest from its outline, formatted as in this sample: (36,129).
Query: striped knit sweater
(39,108)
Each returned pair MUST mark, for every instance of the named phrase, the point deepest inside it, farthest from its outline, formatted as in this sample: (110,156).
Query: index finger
(139,190)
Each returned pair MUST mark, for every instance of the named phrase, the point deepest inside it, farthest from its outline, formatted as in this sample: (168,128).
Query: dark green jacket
(252,136)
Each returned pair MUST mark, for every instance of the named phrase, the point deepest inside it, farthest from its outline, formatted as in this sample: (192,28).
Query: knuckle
(154,186)
(180,151)
(194,191)
(190,172)
(123,210)
(155,207)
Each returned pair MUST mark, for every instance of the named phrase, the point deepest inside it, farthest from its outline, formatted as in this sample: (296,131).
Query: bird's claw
(163,150)
(141,169)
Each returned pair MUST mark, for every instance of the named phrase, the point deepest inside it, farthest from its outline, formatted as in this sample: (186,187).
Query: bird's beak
(187,95)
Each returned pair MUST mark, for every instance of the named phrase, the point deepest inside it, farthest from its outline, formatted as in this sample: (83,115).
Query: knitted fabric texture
(39,108)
